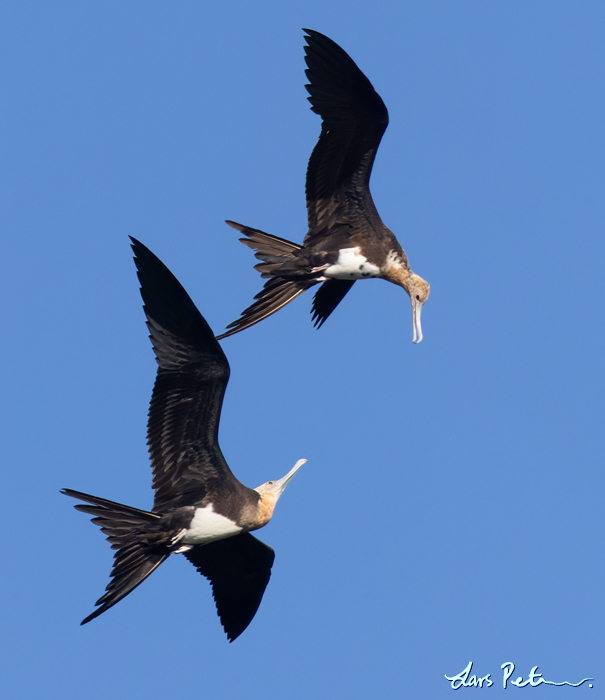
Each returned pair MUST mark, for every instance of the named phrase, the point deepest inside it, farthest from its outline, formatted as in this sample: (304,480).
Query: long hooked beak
(280,484)
(416,311)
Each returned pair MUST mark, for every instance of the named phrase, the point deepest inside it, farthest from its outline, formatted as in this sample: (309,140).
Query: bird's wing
(239,569)
(185,409)
(354,119)
(327,298)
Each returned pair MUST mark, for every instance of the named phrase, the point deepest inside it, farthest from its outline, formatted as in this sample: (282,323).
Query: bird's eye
(417,297)
(270,483)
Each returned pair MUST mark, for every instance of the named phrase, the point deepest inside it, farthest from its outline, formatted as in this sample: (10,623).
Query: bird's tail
(136,557)
(275,253)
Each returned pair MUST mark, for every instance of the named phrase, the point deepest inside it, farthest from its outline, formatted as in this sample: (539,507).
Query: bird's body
(200,509)
(346,239)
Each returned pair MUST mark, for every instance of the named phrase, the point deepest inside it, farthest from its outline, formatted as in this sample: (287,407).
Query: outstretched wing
(327,298)
(239,569)
(185,409)
(354,118)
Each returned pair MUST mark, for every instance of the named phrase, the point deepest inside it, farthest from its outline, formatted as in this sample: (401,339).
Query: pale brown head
(419,291)
(416,287)
(270,492)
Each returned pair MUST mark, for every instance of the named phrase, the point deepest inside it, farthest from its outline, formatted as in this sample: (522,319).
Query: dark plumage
(200,509)
(346,239)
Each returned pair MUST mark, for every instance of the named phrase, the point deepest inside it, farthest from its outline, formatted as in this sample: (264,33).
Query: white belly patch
(208,526)
(351,265)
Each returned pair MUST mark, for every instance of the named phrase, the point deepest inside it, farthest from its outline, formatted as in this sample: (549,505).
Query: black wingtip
(317,321)
(135,244)
(318,38)
(169,305)
(239,569)
(314,32)
(143,257)
(327,298)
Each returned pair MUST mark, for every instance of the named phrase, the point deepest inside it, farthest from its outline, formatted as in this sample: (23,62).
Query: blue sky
(451,509)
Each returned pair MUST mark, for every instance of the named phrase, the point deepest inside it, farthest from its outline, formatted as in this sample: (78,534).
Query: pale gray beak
(280,484)
(416,311)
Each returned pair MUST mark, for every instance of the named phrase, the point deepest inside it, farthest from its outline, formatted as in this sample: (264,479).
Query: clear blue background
(452,506)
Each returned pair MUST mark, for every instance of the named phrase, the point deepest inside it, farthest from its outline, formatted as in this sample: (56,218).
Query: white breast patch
(208,526)
(351,265)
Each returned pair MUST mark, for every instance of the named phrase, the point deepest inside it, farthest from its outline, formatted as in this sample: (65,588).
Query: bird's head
(415,286)
(419,291)
(270,492)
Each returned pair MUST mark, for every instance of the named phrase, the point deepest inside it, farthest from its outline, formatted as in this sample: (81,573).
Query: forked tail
(136,556)
(273,251)
(275,254)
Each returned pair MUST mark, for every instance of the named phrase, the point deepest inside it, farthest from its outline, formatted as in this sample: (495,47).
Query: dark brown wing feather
(134,560)
(340,209)
(275,254)
(184,414)
(354,119)
(239,569)
(276,293)
(327,298)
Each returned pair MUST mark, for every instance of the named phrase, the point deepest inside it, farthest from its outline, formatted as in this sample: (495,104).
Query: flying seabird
(346,240)
(200,509)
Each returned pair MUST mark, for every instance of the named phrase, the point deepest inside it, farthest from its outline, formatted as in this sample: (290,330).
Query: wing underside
(184,414)
(239,569)
(354,119)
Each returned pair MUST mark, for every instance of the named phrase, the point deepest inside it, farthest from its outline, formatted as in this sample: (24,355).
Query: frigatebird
(200,509)
(346,240)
